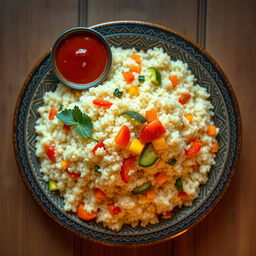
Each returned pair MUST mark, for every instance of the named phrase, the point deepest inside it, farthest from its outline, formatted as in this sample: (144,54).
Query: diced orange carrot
(83,214)
(136,69)
(149,194)
(211,131)
(52,113)
(215,147)
(189,117)
(175,80)
(128,76)
(161,178)
(99,194)
(136,58)
(65,164)
(195,147)
(151,115)
(102,103)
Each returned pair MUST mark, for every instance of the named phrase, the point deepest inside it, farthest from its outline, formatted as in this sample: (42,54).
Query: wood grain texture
(28,29)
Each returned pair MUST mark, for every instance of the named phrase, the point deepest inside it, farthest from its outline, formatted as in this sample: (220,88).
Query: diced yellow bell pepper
(159,143)
(65,164)
(136,146)
(134,90)
(189,117)
(53,186)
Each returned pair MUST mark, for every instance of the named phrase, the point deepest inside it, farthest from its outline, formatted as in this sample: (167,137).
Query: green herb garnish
(82,121)
(118,93)
(141,79)
(172,161)
(97,168)
(60,107)
(179,185)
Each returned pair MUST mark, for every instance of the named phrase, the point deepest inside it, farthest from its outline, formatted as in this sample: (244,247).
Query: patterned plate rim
(236,110)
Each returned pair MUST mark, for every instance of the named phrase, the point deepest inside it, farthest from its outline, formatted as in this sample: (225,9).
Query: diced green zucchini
(148,157)
(142,188)
(141,79)
(118,93)
(97,168)
(134,115)
(155,76)
(179,185)
(172,161)
(53,186)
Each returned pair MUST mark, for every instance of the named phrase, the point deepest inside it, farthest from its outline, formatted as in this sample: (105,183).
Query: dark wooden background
(227,29)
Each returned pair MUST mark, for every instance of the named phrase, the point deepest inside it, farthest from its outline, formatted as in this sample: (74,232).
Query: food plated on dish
(141,157)
(133,148)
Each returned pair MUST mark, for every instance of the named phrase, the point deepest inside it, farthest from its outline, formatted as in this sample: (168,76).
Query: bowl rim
(236,108)
(70,32)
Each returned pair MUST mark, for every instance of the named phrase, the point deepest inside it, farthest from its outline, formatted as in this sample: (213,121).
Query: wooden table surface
(226,29)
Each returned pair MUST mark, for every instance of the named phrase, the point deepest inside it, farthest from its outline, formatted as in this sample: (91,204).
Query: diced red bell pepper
(123,136)
(50,152)
(183,195)
(52,113)
(99,194)
(151,131)
(114,209)
(102,103)
(83,214)
(100,144)
(66,127)
(184,98)
(194,148)
(72,175)
(128,164)
(195,166)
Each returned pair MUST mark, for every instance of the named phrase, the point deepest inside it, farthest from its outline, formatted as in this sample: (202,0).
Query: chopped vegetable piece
(128,76)
(136,146)
(172,161)
(155,76)
(195,166)
(123,136)
(53,186)
(142,188)
(66,127)
(184,98)
(97,168)
(100,144)
(194,148)
(136,58)
(99,194)
(128,164)
(211,131)
(159,144)
(114,209)
(189,117)
(73,175)
(60,107)
(175,80)
(215,147)
(136,69)
(135,115)
(148,157)
(183,195)
(141,79)
(179,184)
(83,214)
(151,115)
(102,103)
(52,113)
(118,93)
(161,178)
(150,194)
(65,164)
(50,152)
(151,131)
(134,90)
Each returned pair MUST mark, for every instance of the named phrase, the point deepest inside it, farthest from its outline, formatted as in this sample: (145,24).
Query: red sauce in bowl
(81,58)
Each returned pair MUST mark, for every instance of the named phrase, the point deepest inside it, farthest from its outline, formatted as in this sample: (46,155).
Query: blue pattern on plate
(226,117)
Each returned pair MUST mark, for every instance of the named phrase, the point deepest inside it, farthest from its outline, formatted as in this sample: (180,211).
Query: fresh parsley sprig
(75,117)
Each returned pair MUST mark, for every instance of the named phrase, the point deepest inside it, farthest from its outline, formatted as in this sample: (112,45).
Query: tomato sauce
(81,59)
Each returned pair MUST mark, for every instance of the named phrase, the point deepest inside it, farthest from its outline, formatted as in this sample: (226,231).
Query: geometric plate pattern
(143,36)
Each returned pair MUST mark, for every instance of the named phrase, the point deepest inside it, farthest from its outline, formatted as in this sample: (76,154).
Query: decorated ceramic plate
(141,36)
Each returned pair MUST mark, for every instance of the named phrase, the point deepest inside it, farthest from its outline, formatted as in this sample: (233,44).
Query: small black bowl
(75,31)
